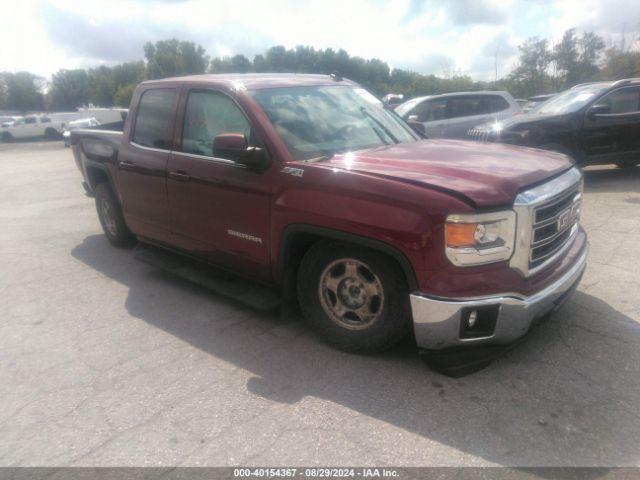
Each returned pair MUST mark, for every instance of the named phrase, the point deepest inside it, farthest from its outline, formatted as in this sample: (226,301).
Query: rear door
(142,164)
(465,112)
(614,136)
(219,208)
(497,107)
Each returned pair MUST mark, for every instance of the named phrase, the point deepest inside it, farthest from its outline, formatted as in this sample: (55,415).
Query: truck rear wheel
(353,297)
(111,217)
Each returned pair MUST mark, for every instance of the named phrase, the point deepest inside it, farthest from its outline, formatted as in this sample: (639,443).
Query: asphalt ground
(105,361)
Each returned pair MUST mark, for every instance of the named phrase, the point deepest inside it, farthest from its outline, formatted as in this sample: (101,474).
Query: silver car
(451,115)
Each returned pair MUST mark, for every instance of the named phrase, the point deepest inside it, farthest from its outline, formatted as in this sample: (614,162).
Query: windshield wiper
(380,124)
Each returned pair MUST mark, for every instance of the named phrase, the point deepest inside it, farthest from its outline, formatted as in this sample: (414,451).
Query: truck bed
(97,146)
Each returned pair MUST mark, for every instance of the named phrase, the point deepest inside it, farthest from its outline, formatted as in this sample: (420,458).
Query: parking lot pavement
(105,361)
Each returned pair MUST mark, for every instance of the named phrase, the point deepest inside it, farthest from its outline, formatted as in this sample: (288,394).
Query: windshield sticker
(367,96)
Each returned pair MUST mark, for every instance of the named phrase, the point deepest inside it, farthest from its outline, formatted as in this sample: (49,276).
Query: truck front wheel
(353,297)
(111,217)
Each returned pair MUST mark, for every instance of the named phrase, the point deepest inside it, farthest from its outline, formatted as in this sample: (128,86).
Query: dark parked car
(307,184)
(594,123)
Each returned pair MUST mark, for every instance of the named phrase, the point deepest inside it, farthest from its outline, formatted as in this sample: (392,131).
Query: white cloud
(425,35)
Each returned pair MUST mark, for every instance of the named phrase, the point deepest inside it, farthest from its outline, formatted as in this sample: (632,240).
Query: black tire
(7,137)
(51,134)
(392,318)
(111,218)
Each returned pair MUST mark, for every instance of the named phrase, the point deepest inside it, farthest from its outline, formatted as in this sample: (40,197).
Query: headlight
(477,239)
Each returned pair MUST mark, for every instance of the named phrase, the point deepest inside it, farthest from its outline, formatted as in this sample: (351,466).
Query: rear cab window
(155,111)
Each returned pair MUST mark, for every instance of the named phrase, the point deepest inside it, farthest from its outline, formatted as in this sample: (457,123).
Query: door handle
(180,176)
(127,165)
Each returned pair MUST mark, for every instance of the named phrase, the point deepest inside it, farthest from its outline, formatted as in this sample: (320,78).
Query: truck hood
(487,175)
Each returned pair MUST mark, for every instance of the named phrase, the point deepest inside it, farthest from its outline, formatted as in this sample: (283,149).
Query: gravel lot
(105,361)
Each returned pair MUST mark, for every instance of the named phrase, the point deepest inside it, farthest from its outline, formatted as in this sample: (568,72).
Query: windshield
(570,100)
(322,120)
(404,108)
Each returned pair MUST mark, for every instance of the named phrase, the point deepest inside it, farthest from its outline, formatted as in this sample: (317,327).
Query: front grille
(480,135)
(547,218)
(554,223)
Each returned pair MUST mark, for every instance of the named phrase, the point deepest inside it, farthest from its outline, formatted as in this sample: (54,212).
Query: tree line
(546,68)
(541,68)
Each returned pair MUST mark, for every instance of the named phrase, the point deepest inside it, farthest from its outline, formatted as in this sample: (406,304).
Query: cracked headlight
(478,239)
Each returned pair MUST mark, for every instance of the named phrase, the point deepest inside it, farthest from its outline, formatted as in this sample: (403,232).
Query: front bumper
(436,321)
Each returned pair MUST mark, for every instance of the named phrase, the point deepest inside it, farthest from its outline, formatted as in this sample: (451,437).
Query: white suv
(451,115)
(31,126)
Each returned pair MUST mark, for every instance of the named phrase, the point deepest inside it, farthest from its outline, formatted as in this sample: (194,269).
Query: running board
(222,283)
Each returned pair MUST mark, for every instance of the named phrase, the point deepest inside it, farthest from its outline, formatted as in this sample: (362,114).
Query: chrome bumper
(436,321)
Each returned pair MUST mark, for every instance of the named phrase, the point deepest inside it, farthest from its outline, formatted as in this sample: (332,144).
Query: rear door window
(465,106)
(155,111)
(495,103)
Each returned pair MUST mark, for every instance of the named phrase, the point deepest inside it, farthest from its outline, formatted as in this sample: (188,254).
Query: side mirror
(234,146)
(599,109)
(417,127)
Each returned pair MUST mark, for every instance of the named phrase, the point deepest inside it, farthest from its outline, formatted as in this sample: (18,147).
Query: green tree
(4,94)
(235,64)
(565,58)
(620,64)
(104,82)
(123,95)
(168,58)
(530,75)
(591,47)
(102,86)
(22,92)
(576,58)
(69,89)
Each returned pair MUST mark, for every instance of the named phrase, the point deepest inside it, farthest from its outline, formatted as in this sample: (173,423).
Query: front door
(219,208)
(142,165)
(614,136)
(433,115)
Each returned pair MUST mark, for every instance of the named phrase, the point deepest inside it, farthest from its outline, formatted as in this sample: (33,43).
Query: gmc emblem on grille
(564,219)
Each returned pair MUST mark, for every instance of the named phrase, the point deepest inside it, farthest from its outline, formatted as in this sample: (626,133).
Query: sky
(427,36)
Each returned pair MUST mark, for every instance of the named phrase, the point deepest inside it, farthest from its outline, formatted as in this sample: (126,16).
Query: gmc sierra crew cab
(307,184)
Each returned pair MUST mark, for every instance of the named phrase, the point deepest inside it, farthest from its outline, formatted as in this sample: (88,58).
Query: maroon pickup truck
(307,185)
